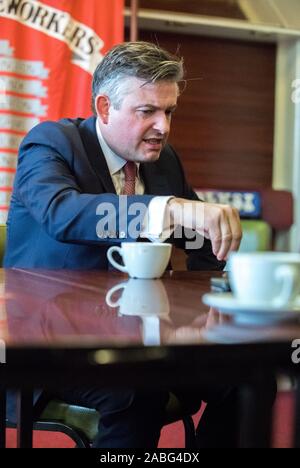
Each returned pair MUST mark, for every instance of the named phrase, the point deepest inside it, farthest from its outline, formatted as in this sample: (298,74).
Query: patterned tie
(130,173)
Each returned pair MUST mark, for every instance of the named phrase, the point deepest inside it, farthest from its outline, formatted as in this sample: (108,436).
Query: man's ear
(102,105)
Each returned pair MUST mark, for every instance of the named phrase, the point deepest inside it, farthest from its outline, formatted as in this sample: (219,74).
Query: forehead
(138,92)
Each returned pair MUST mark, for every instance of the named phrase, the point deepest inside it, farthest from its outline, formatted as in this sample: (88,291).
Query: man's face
(140,128)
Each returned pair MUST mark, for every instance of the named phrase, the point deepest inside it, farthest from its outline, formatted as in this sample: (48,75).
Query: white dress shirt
(156,225)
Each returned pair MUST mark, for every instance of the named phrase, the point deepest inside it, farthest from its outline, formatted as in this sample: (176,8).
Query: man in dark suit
(68,170)
(76,182)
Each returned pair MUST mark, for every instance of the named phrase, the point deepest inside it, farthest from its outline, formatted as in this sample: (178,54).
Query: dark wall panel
(223,128)
(219,8)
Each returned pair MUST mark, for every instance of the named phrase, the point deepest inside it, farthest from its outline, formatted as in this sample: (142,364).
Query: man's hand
(219,223)
(215,318)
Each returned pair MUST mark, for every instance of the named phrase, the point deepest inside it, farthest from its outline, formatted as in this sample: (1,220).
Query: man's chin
(151,156)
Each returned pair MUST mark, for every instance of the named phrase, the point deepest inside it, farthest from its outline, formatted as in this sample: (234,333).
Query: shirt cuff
(157,223)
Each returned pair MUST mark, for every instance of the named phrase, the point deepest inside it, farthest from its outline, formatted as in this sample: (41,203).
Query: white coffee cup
(265,278)
(145,260)
(140,297)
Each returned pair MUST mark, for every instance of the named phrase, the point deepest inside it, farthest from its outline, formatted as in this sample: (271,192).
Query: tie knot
(130,171)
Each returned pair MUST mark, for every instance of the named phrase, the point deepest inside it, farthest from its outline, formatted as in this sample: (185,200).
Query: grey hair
(142,60)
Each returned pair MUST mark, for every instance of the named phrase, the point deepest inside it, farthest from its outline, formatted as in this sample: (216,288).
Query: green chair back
(257,236)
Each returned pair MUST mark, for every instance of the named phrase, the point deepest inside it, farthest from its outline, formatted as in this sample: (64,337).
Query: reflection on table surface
(88,308)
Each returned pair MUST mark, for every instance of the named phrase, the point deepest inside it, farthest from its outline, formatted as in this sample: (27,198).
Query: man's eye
(146,111)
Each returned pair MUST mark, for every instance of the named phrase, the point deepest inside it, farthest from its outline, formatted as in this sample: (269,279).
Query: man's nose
(162,124)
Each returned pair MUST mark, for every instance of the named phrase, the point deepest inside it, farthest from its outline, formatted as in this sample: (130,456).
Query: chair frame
(82,441)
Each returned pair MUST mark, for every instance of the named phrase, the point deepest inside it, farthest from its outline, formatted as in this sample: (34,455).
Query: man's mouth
(155,142)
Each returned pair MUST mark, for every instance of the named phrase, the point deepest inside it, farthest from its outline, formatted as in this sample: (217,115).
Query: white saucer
(255,314)
(236,333)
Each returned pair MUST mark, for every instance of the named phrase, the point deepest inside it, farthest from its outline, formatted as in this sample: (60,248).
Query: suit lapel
(94,153)
(155,179)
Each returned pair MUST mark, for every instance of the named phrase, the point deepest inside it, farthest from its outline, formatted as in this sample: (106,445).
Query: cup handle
(290,279)
(115,264)
(110,293)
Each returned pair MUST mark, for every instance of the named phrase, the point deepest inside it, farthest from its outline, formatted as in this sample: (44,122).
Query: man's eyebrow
(151,106)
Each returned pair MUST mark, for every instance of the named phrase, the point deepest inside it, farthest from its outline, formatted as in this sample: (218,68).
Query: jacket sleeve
(46,185)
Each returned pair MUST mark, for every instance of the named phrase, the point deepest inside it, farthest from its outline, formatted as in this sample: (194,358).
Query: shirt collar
(114,162)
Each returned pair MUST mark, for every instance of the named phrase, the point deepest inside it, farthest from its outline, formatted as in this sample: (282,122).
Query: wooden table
(58,327)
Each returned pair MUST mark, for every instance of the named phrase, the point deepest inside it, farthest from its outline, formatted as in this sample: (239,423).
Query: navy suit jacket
(62,178)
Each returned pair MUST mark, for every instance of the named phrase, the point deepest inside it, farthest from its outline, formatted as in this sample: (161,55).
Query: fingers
(236,229)
(224,229)
(219,223)
(226,237)
(213,318)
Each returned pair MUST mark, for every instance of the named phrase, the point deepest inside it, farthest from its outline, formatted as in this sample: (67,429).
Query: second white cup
(270,278)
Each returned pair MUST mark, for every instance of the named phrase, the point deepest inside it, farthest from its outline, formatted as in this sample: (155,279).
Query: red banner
(48,52)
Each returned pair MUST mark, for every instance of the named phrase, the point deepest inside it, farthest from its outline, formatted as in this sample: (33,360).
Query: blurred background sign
(247,203)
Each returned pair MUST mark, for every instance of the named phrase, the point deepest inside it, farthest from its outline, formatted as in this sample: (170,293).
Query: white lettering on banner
(8,160)
(24,105)
(18,124)
(3,216)
(5,198)
(27,99)
(82,40)
(2,91)
(23,67)
(8,140)
(17,85)
(6,179)
(5,48)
